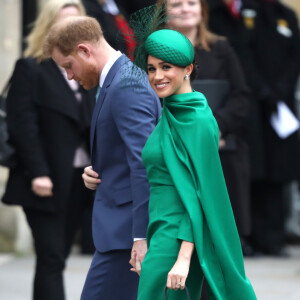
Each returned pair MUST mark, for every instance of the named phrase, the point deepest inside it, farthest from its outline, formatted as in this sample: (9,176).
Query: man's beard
(89,78)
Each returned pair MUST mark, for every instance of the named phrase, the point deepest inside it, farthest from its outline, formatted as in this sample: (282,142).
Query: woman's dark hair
(195,71)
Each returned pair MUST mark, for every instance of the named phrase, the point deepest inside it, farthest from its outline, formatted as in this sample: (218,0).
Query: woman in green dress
(192,232)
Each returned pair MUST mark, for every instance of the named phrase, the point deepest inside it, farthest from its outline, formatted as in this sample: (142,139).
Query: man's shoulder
(130,79)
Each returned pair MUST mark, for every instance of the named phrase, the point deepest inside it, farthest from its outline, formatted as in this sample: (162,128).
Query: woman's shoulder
(27,61)
(195,107)
(26,65)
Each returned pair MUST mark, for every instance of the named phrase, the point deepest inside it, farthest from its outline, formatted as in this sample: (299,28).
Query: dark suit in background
(46,125)
(275,67)
(107,21)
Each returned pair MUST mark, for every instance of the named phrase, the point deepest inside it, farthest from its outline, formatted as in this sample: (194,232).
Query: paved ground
(272,279)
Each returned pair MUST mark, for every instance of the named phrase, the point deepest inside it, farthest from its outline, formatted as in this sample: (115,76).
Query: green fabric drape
(190,142)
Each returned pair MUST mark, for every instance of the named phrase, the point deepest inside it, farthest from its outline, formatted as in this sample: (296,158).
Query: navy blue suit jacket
(125,114)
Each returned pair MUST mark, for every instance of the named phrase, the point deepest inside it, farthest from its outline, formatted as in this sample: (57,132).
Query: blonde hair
(44,22)
(204,38)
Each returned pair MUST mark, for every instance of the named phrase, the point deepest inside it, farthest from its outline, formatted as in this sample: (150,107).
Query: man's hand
(222,142)
(139,250)
(91,178)
(42,186)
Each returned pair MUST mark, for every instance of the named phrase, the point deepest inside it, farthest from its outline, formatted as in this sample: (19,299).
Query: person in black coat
(108,13)
(233,19)
(48,121)
(272,75)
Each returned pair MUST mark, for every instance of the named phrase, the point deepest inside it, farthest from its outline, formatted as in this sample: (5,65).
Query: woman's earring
(186,77)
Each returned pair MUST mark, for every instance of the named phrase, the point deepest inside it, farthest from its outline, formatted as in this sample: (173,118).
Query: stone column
(14,232)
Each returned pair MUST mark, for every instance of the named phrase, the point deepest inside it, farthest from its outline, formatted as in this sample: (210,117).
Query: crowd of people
(109,126)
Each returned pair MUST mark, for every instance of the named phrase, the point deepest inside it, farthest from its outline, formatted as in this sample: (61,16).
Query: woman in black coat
(216,60)
(48,121)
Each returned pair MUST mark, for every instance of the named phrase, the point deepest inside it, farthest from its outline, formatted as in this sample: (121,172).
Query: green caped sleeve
(185,232)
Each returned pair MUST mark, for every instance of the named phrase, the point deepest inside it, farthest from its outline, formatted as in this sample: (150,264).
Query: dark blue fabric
(124,117)
(110,278)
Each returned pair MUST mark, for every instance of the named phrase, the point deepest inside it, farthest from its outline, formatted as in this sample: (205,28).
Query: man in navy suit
(125,114)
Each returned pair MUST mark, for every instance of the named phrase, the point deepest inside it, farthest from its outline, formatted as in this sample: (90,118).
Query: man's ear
(83,49)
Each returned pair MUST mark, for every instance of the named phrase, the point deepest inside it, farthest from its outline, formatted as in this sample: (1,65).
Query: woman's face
(184,14)
(68,11)
(166,79)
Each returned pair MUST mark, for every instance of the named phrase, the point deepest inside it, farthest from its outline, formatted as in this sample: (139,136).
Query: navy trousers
(110,278)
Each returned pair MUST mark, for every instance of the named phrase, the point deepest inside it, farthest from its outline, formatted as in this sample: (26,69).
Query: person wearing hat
(191,232)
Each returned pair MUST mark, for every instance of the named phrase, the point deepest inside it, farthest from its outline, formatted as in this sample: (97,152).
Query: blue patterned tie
(98,92)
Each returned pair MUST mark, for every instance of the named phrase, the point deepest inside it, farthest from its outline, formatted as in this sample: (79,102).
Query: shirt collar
(108,66)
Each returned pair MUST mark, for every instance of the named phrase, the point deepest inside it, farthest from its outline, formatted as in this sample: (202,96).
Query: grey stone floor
(272,278)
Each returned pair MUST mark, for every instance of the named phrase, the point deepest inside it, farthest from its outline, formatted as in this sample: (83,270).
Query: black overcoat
(221,62)
(272,75)
(45,125)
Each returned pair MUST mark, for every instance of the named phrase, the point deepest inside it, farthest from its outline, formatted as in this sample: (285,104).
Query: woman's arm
(178,274)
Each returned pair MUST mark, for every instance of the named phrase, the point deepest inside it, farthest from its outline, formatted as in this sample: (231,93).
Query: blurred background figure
(233,20)
(48,120)
(272,74)
(216,60)
(133,5)
(266,37)
(113,20)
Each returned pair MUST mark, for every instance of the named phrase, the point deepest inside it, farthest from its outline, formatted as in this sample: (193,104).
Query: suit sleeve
(135,111)
(23,120)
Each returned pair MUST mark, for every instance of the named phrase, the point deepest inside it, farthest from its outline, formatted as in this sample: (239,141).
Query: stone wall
(295,5)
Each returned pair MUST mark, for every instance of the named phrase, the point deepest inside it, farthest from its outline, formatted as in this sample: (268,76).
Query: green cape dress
(189,201)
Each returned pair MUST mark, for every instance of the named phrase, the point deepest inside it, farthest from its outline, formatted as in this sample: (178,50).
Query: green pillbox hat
(170,46)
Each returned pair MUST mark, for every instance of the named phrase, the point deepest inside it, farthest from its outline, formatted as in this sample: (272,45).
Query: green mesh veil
(143,22)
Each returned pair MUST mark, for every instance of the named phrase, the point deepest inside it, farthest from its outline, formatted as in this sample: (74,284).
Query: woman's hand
(91,178)
(178,274)
(42,186)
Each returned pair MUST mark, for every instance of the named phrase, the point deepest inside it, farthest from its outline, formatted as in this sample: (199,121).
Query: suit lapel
(96,112)
(109,78)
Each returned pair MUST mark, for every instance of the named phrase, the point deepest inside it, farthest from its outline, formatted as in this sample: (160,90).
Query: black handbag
(186,292)
(7,157)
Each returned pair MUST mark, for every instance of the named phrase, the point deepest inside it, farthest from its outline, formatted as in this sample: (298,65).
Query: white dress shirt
(107,67)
